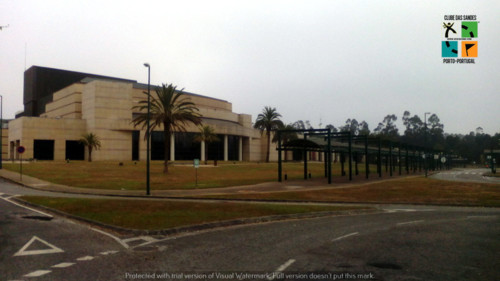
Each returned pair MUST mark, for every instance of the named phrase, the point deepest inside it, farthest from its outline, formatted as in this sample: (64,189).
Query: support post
(356,170)
(390,159)
(279,157)
(172,147)
(399,159)
(202,151)
(329,157)
(350,156)
(406,161)
(304,152)
(379,164)
(325,162)
(367,165)
(226,148)
(240,148)
(342,163)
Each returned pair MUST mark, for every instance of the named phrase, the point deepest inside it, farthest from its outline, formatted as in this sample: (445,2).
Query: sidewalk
(297,185)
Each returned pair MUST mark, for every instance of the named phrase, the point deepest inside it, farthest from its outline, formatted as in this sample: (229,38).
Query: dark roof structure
(41,82)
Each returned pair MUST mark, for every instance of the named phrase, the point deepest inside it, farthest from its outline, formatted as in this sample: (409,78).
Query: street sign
(21,149)
(196,166)
(443,160)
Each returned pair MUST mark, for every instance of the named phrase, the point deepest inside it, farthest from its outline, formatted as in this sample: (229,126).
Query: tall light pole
(1,130)
(425,142)
(148,192)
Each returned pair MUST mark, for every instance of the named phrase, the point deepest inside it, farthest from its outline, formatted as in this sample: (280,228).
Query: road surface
(396,243)
(467,175)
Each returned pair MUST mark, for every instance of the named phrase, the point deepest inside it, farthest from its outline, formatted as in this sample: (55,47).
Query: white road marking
(53,249)
(410,222)
(112,236)
(37,273)
(108,253)
(281,269)
(345,236)
(86,258)
(482,217)
(407,210)
(147,239)
(22,206)
(399,210)
(63,265)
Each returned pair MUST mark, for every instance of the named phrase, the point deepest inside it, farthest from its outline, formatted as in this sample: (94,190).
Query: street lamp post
(148,133)
(425,142)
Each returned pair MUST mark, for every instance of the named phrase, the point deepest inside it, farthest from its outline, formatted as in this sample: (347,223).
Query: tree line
(428,132)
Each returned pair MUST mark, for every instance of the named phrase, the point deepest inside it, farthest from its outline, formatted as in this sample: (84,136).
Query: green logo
(469,29)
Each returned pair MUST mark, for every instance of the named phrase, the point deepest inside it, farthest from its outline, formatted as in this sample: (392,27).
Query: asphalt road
(396,243)
(467,175)
(34,244)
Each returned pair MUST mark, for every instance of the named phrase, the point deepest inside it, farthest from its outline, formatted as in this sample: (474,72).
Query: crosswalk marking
(38,273)
(63,265)
(86,258)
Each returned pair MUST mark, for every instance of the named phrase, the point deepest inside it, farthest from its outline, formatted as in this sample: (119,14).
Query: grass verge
(131,175)
(157,215)
(408,190)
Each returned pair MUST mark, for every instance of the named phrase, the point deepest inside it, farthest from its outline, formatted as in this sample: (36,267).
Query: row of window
(186,148)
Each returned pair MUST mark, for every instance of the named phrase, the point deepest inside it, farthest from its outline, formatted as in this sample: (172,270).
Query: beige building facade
(105,108)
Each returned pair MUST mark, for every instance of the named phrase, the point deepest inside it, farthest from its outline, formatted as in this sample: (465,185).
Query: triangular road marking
(52,249)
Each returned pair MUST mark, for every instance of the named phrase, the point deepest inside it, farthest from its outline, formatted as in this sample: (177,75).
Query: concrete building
(83,103)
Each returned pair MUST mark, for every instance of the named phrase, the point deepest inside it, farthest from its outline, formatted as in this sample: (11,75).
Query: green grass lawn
(131,176)
(156,215)
(418,190)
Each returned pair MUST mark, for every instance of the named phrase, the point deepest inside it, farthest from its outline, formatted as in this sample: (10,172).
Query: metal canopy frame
(326,141)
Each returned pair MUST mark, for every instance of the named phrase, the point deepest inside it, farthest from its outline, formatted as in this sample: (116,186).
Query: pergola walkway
(398,155)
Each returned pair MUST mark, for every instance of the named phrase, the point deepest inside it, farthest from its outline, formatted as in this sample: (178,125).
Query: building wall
(67,103)
(24,130)
(107,111)
(5,143)
(104,107)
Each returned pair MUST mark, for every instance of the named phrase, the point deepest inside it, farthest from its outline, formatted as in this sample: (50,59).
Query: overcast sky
(313,60)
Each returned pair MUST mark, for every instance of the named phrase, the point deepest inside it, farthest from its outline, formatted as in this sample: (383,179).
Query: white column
(240,148)
(172,147)
(225,148)
(202,158)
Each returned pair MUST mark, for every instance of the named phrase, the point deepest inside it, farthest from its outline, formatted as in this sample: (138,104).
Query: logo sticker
(460,42)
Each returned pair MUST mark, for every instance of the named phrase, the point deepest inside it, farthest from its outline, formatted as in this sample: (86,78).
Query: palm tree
(91,141)
(170,109)
(269,121)
(207,134)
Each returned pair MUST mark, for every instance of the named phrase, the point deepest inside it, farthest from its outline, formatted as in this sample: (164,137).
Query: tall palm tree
(172,110)
(268,120)
(91,141)
(207,134)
